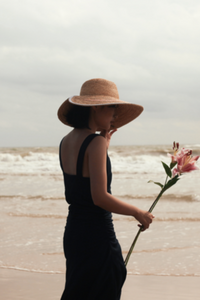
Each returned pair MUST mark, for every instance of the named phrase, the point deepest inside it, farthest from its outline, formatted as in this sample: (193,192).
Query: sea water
(33,211)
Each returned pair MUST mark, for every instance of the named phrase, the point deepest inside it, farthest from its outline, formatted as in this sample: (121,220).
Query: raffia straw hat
(99,91)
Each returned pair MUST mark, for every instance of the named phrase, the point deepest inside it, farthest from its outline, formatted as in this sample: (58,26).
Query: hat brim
(125,111)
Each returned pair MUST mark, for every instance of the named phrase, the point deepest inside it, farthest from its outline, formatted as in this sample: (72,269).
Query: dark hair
(78,116)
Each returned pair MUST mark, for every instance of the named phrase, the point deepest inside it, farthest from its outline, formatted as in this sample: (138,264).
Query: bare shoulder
(67,137)
(98,144)
(97,157)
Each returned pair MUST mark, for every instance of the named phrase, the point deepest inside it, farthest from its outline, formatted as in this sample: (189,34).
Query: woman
(94,262)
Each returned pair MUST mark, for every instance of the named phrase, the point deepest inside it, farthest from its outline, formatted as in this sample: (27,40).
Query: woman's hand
(107,135)
(145,218)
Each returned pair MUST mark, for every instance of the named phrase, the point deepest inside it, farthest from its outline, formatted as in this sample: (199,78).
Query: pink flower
(175,148)
(184,159)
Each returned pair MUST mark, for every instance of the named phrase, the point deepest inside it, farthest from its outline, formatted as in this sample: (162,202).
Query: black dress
(95,268)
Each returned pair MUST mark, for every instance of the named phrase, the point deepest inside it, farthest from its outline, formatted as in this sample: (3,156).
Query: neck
(92,124)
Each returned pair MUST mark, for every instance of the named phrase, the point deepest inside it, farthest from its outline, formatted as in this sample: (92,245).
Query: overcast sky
(150,49)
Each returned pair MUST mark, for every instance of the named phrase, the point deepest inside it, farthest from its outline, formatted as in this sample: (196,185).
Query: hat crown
(99,87)
(100,91)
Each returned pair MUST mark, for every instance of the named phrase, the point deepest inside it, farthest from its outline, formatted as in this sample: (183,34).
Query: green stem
(165,181)
(132,246)
(156,201)
(140,230)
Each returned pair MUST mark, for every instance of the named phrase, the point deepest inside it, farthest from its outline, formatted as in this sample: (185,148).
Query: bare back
(70,149)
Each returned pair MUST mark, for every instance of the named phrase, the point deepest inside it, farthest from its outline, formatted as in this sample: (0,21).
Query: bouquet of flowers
(182,161)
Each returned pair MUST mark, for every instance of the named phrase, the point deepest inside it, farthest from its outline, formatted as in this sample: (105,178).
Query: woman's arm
(97,153)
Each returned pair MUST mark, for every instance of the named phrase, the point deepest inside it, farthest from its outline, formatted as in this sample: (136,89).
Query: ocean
(33,211)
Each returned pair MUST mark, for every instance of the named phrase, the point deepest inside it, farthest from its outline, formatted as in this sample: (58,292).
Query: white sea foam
(32,163)
(137,164)
(49,163)
(132,159)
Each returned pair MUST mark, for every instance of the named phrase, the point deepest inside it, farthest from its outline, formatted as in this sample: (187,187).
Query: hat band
(96,104)
(70,99)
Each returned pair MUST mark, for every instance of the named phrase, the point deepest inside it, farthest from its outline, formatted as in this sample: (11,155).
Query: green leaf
(173,164)
(158,183)
(171,182)
(167,169)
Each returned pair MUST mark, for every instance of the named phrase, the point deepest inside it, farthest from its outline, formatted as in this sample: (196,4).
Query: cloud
(150,49)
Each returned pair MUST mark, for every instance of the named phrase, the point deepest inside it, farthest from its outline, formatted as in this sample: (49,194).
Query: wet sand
(21,285)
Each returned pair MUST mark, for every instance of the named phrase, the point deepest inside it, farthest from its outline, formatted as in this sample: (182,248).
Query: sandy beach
(165,264)
(21,285)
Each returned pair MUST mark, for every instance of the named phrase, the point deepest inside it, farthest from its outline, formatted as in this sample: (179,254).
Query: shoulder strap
(60,155)
(79,166)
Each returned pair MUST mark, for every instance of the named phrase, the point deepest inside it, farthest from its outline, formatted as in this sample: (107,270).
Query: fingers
(145,220)
(107,134)
(142,227)
(112,131)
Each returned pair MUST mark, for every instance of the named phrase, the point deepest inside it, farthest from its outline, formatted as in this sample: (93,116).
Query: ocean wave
(31,270)
(168,197)
(161,249)
(152,150)
(163,219)
(53,253)
(177,219)
(115,219)
(31,163)
(130,272)
(30,197)
(125,160)
(167,274)
(31,215)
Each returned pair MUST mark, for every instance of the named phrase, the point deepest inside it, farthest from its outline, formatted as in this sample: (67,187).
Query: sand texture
(20,285)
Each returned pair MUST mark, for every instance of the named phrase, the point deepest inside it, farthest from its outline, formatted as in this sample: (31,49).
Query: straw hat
(99,91)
